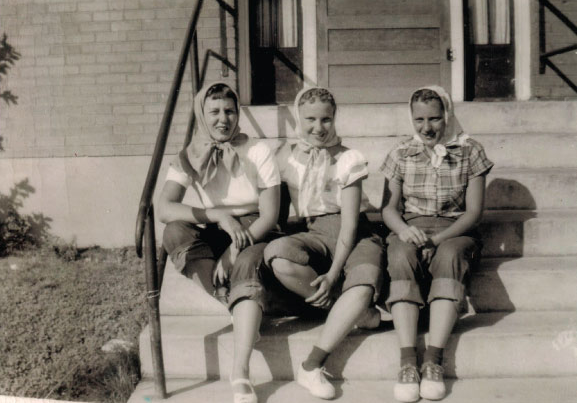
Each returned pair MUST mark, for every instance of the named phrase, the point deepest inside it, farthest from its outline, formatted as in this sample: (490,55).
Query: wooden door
(381,51)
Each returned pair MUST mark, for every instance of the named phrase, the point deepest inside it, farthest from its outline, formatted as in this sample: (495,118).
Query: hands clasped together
(421,240)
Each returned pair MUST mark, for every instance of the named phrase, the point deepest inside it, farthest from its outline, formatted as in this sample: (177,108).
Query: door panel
(380,51)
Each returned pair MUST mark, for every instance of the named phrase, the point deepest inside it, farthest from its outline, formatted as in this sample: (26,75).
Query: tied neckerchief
(204,156)
(217,153)
(318,161)
(440,151)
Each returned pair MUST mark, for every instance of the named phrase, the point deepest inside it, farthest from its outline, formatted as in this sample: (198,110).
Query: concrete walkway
(512,390)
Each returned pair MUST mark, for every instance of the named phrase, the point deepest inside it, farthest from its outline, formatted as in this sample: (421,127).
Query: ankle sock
(434,354)
(408,356)
(316,359)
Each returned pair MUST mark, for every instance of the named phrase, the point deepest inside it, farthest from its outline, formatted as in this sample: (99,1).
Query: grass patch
(57,309)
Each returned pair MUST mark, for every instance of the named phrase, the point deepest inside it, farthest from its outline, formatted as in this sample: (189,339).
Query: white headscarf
(453,134)
(201,159)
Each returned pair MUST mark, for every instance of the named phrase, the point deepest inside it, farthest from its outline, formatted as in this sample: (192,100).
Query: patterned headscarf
(453,129)
(203,156)
(317,160)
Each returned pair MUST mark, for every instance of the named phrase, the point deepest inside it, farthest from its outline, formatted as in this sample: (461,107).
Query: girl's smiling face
(221,117)
(429,121)
(316,120)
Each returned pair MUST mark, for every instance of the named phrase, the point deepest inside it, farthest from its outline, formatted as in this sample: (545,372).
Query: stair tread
(486,325)
(482,390)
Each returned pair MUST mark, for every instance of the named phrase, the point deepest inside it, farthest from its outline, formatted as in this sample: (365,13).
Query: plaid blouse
(433,191)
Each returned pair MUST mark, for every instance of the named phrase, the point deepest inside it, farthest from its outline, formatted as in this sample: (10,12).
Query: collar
(454,147)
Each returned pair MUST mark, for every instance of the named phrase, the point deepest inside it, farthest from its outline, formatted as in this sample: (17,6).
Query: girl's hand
(413,235)
(239,235)
(321,298)
(224,265)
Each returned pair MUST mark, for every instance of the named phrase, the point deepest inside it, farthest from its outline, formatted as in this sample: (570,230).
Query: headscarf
(204,155)
(453,130)
(317,161)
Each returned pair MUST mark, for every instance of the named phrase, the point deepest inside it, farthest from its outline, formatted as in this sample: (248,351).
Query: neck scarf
(453,130)
(202,158)
(317,161)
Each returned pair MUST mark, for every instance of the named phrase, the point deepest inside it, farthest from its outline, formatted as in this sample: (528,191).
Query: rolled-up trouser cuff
(447,288)
(366,274)
(404,291)
(249,289)
(188,253)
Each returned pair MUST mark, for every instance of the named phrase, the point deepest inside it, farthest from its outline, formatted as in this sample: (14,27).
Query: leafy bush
(20,231)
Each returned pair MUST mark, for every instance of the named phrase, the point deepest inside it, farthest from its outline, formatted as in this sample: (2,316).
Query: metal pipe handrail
(159,147)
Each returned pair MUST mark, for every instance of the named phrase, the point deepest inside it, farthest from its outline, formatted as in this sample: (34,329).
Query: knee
(250,259)
(174,234)
(402,258)
(283,268)
(451,260)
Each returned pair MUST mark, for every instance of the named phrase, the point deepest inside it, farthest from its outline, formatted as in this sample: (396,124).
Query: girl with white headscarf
(433,199)
(219,238)
(335,263)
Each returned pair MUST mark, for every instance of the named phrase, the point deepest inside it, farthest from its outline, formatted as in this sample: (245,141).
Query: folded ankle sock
(434,354)
(408,356)
(316,359)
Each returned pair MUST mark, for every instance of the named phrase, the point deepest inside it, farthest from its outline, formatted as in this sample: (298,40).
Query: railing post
(153,297)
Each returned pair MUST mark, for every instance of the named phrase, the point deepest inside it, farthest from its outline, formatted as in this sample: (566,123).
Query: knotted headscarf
(453,135)
(204,155)
(317,161)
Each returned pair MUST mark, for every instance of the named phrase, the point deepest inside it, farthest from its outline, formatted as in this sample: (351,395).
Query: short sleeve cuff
(351,167)
(177,176)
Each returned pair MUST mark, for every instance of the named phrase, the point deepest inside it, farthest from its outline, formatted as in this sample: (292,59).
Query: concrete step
(487,390)
(525,284)
(506,150)
(518,344)
(529,233)
(511,189)
(376,120)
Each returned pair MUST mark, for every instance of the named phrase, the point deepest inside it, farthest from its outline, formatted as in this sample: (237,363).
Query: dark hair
(425,95)
(221,91)
(320,94)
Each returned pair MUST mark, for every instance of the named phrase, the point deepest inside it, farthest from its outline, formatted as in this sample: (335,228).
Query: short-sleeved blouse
(435,191)
(260,171)
(347,166)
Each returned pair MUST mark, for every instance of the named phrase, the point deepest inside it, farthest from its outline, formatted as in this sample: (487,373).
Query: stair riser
(490,291)
(505,151)
(364,356)
(524,291)
(393,119)
(546,235)
(517,190)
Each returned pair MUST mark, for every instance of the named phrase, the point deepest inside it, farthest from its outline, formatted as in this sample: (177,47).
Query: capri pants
(444,278)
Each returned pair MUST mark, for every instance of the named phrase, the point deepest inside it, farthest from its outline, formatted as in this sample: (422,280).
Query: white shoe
(407,386)
(316,382)
(433,384)
(244,397)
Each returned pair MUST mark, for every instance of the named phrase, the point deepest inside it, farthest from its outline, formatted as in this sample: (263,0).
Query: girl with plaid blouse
(433,199)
